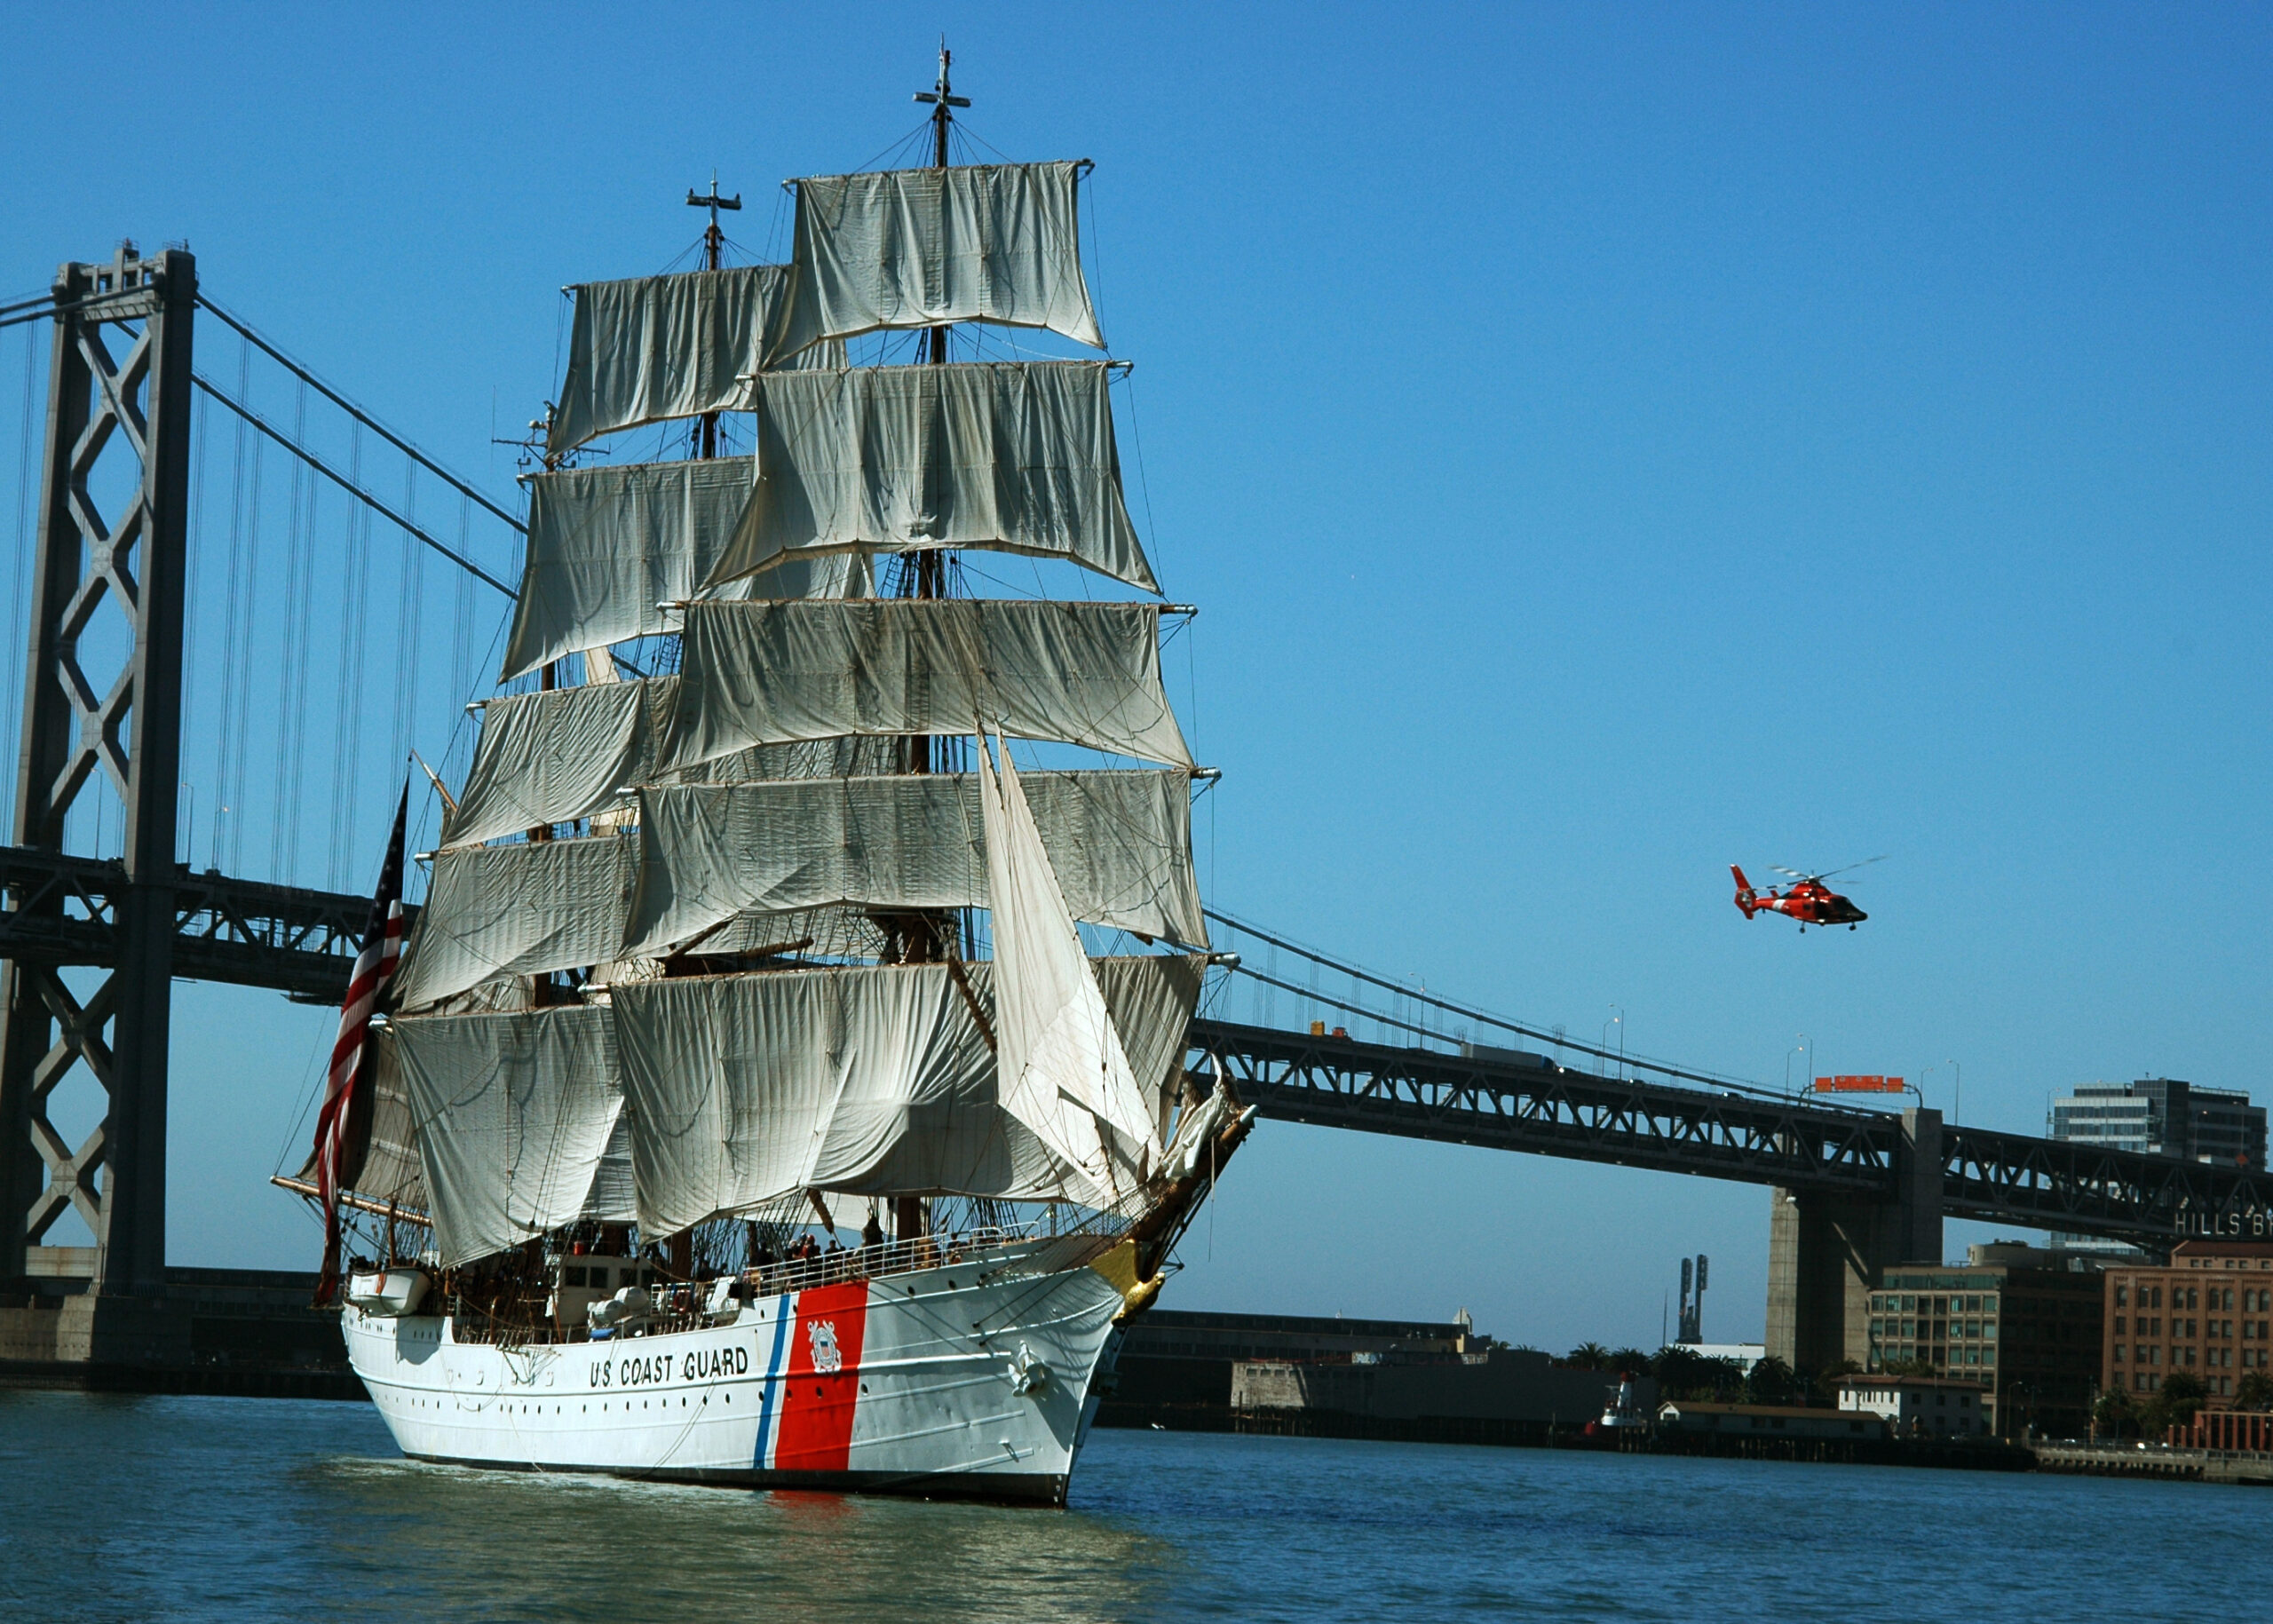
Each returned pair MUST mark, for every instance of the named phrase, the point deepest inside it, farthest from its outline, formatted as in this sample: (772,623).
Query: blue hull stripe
(767,1395)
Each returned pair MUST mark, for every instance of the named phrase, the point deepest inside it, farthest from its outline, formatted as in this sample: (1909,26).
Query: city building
(2159,1116)
(1919,1407)
(2024,1325)
(2163,1116)
(2208,1312)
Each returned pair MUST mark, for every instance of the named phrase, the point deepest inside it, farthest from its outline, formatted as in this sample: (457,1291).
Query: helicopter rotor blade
(1865,863)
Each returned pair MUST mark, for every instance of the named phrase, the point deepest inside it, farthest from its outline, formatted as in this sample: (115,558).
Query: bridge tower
(107,585)
(1825,1249)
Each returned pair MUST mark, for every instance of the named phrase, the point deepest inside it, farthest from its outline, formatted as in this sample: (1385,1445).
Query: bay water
(126,1508)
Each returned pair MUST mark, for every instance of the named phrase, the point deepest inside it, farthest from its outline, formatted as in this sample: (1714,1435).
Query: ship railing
(913,1256)
(685,1305)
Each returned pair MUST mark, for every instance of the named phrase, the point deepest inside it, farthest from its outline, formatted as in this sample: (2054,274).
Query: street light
(1804,1045)
(1619,1021)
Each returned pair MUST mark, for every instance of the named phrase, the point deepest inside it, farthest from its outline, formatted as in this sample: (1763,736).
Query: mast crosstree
(714,243)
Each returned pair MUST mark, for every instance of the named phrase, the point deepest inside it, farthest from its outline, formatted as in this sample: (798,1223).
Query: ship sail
(864,1080)
(650,348)
(702,855)
(768,673)
(1120,842)
(558,754)
(922,248)
(516,910)
(607,547)
(1073,673)
(518,1121)
(1065,1073)
(1010,456)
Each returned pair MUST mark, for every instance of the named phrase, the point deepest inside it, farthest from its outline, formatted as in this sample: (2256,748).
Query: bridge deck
(61,910)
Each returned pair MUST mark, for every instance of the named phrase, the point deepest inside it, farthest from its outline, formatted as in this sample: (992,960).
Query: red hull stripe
(820,1389)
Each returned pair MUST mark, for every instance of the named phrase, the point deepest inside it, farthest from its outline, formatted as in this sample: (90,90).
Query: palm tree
(1587,1356)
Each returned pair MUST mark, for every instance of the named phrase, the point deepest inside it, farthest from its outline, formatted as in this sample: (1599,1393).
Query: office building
(2028,1333)
(2161,1116)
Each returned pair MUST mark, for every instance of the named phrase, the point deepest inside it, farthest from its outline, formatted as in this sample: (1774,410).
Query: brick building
(2209,1312)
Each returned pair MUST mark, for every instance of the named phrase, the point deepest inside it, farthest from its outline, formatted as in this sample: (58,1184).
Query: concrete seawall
(245,1332)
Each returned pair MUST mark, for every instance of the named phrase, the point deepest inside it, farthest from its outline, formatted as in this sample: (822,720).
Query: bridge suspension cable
(1421,995)
(246,331)
(352,485)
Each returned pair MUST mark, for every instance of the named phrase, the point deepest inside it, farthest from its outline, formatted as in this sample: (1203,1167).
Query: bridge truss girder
(1991,1176)
(2055,1184)
(58,910)
(1416,1093)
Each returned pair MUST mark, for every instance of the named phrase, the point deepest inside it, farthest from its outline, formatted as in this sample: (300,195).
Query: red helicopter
(1806,899)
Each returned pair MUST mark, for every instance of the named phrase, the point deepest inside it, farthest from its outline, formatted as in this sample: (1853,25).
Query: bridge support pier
(107,592)
(1824,1252)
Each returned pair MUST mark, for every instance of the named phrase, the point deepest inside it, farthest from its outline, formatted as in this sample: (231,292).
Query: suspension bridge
(181,538)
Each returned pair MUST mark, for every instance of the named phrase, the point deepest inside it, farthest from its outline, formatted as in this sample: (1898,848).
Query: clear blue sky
(1607,443)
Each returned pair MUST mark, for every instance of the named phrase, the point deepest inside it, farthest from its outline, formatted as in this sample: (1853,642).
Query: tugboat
(1622,1418)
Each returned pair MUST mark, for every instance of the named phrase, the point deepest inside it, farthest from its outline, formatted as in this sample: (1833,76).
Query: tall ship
(781,1085)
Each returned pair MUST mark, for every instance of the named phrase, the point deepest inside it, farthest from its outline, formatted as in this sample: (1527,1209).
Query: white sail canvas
(920,247)
(1074,673)
(1120,842)
(1064,1071)
(1009,457)
(748,1088)
(516,910)
(607,547)
(515,1116)
(647,349)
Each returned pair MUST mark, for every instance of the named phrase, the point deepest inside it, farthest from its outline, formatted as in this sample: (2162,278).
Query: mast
(931,564)
(924,574)
(714,241)
(942,105)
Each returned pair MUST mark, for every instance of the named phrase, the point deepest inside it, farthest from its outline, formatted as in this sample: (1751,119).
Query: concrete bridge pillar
(1825,1251)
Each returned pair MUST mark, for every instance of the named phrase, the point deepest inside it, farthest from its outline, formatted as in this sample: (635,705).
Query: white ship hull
(929,1384)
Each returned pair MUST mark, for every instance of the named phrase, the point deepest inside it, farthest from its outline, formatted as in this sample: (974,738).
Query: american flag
(344,1121)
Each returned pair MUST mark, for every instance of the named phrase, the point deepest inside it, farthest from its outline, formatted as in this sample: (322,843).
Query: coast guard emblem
(823,1338)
